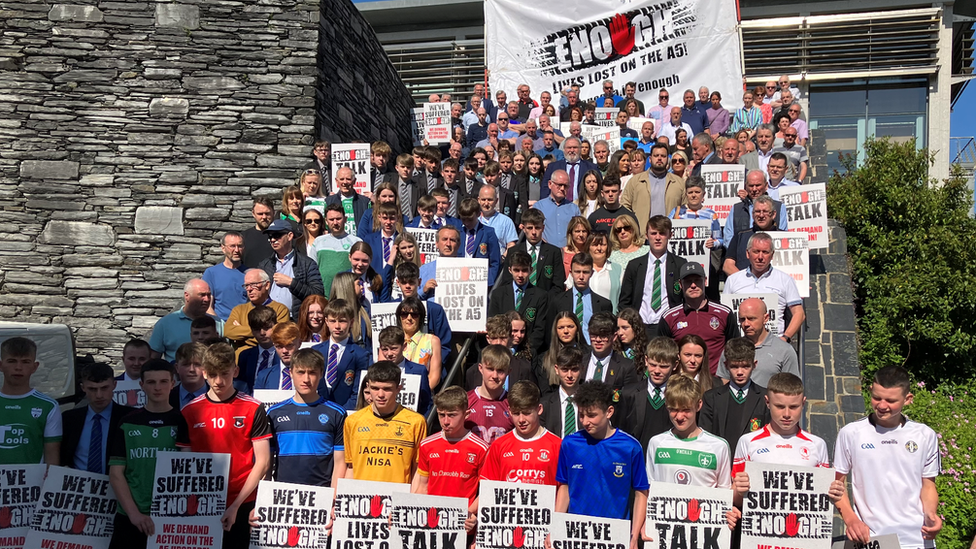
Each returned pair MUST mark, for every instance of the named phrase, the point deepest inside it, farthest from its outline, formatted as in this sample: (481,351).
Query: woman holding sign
(422,348)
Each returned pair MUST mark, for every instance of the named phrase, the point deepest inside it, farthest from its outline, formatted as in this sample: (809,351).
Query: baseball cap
(279,226)
(691,268)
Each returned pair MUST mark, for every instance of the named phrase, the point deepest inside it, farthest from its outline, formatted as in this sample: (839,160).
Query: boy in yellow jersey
(383,439)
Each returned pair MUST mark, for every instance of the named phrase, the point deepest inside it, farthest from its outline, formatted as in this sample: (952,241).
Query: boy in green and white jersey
(30,427)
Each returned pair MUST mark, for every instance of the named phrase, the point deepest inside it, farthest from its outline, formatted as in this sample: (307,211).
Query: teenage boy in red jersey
(528,454)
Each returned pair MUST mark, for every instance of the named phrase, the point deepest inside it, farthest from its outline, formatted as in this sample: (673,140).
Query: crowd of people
(602,351)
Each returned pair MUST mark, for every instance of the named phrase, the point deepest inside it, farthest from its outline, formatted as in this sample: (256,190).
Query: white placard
(787,506)
(437,123)
(270,397)
(129,393)
(606,116)
(569,531)
(362,513)
(20,489)
(426,243)
(679,513)
(189,497)
(771,300)
(636,123)
(462,289)
(409,395)
(610,135)
(417,126)
(291,515)
(722,185)
(806,211)
(792,256)
(428,522)
(381,315)
(356,157)
(688,238)
(75,509)
(514,515)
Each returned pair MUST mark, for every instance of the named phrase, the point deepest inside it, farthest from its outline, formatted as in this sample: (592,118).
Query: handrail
(801,351)
(446,380)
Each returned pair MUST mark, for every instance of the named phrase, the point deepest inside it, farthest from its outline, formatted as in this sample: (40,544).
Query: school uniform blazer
(552,413)
(715,418)
(534,311)
(416,184)
(485,246)
(425,399)
(632,287)
(73,421)
(247,365)
(305,281)
(422,184)
(619,373)
(359,204)
(507,205)
(520,187)
(583,167)
(563,301)
(375,241)
(714,159)
(549,262)
(452,221)
(519,370)
(463,187)
(636,415)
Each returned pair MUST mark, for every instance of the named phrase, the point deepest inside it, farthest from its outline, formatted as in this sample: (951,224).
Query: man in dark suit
(559,412)
(345,181)
(87,429)
(408,185)
(304,280)
(477,240)
(345,362)
(642,410)
(546,270)
(322,161)
(521,296)
(574,166)
(738,407)
(499,332)
(703,150)
(639,290)
(600,362)
(579,299)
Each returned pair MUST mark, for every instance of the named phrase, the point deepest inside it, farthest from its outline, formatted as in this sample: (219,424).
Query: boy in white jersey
(781,440)
(892,462)
(687,454)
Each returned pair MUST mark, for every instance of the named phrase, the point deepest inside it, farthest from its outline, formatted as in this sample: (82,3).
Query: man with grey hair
(762,277)
(601,155)
(471,115)
(226,279)
(545,124)
(257,284)
(574,166)
(525,103)
(294,276)
(703,151)
(759,158)
(434,98)
(675,123)
(693,115)
(764,219)
(704,101)
(545,98)
(173,330)
(773,355)
(740,217)
(531,130)
(609,92)
(556,207)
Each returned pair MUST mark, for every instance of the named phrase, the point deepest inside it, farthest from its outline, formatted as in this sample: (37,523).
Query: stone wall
(133,132)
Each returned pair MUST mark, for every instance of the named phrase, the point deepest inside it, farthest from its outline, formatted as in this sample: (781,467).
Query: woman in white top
(590,199)
(606,274)
(626,241)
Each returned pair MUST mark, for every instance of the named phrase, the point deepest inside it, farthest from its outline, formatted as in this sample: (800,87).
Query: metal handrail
(452,373)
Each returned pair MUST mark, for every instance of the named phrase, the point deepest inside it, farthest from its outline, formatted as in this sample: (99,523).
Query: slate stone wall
(133,132)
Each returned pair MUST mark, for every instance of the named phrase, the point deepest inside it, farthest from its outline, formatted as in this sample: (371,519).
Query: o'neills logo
(599,42)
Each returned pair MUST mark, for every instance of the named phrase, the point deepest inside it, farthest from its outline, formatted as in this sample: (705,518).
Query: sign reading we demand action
(189,497)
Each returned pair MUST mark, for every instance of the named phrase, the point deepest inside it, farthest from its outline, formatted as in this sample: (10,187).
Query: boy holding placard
(226,421)
(488,405)
(600,465)
(132,452)
(893,462)
(529,453)
(37,414)
(391,342)
(383,439)
(308,430)
(687,454)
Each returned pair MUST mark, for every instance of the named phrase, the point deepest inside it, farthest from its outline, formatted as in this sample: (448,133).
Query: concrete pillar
(940,100)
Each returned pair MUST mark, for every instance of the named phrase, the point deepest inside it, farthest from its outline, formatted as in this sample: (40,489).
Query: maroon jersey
(489,419)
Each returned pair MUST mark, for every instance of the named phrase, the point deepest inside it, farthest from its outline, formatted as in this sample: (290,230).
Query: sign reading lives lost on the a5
(362,514)
(462,289)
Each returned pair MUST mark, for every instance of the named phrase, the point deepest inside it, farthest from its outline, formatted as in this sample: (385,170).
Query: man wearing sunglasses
(796,153)
(660,113)
(294,276)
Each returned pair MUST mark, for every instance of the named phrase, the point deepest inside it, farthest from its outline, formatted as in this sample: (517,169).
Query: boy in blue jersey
(599,466)
(308,440)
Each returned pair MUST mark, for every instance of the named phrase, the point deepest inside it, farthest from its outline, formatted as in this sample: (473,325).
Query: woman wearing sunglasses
(313,225)
(679,165)
(422,348)
(626,241)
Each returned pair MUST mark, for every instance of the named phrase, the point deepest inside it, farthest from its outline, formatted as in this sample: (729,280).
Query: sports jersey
(384,448)
(489,419)
(227,427)
(886,468)
(134,445)
(452,468)
(595,468)
(29,421)
(715,323)
(305,438)
(531,461)
(765,446)
(700,461)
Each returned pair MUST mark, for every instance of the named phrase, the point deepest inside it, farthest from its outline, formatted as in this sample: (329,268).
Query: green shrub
(913,252)
(951,411)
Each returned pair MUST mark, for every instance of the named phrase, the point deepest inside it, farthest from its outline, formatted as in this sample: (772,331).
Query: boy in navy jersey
(599,466)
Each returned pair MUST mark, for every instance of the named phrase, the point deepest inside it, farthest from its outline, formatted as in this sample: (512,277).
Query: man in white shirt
(504,228)
(668,130)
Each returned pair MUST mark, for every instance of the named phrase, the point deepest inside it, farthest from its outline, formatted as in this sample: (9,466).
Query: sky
(962,123)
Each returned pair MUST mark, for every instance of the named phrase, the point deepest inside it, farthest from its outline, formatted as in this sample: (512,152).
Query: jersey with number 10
(531,461)
(227,427)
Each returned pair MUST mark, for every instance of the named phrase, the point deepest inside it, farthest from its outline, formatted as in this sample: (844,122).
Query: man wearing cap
(713,322)
(293,276)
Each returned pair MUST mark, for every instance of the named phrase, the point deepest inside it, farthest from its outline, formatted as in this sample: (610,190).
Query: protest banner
(362,513)
(569,531)
(20,490)
(792,256)
(75,509)
(381,315)
(354,156)
(606,117)
(514,515)
(636,123)
(422,521)
(722,185)
(426,243)
(437,123)
(657,45)
(680,515)
(806,211)
(787,506)
(417,126)
(688,238)
(291,515)
(189,497)
(597,133)
(771,300)
(887,541)
(128,392)
(270,397)
(462,289)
